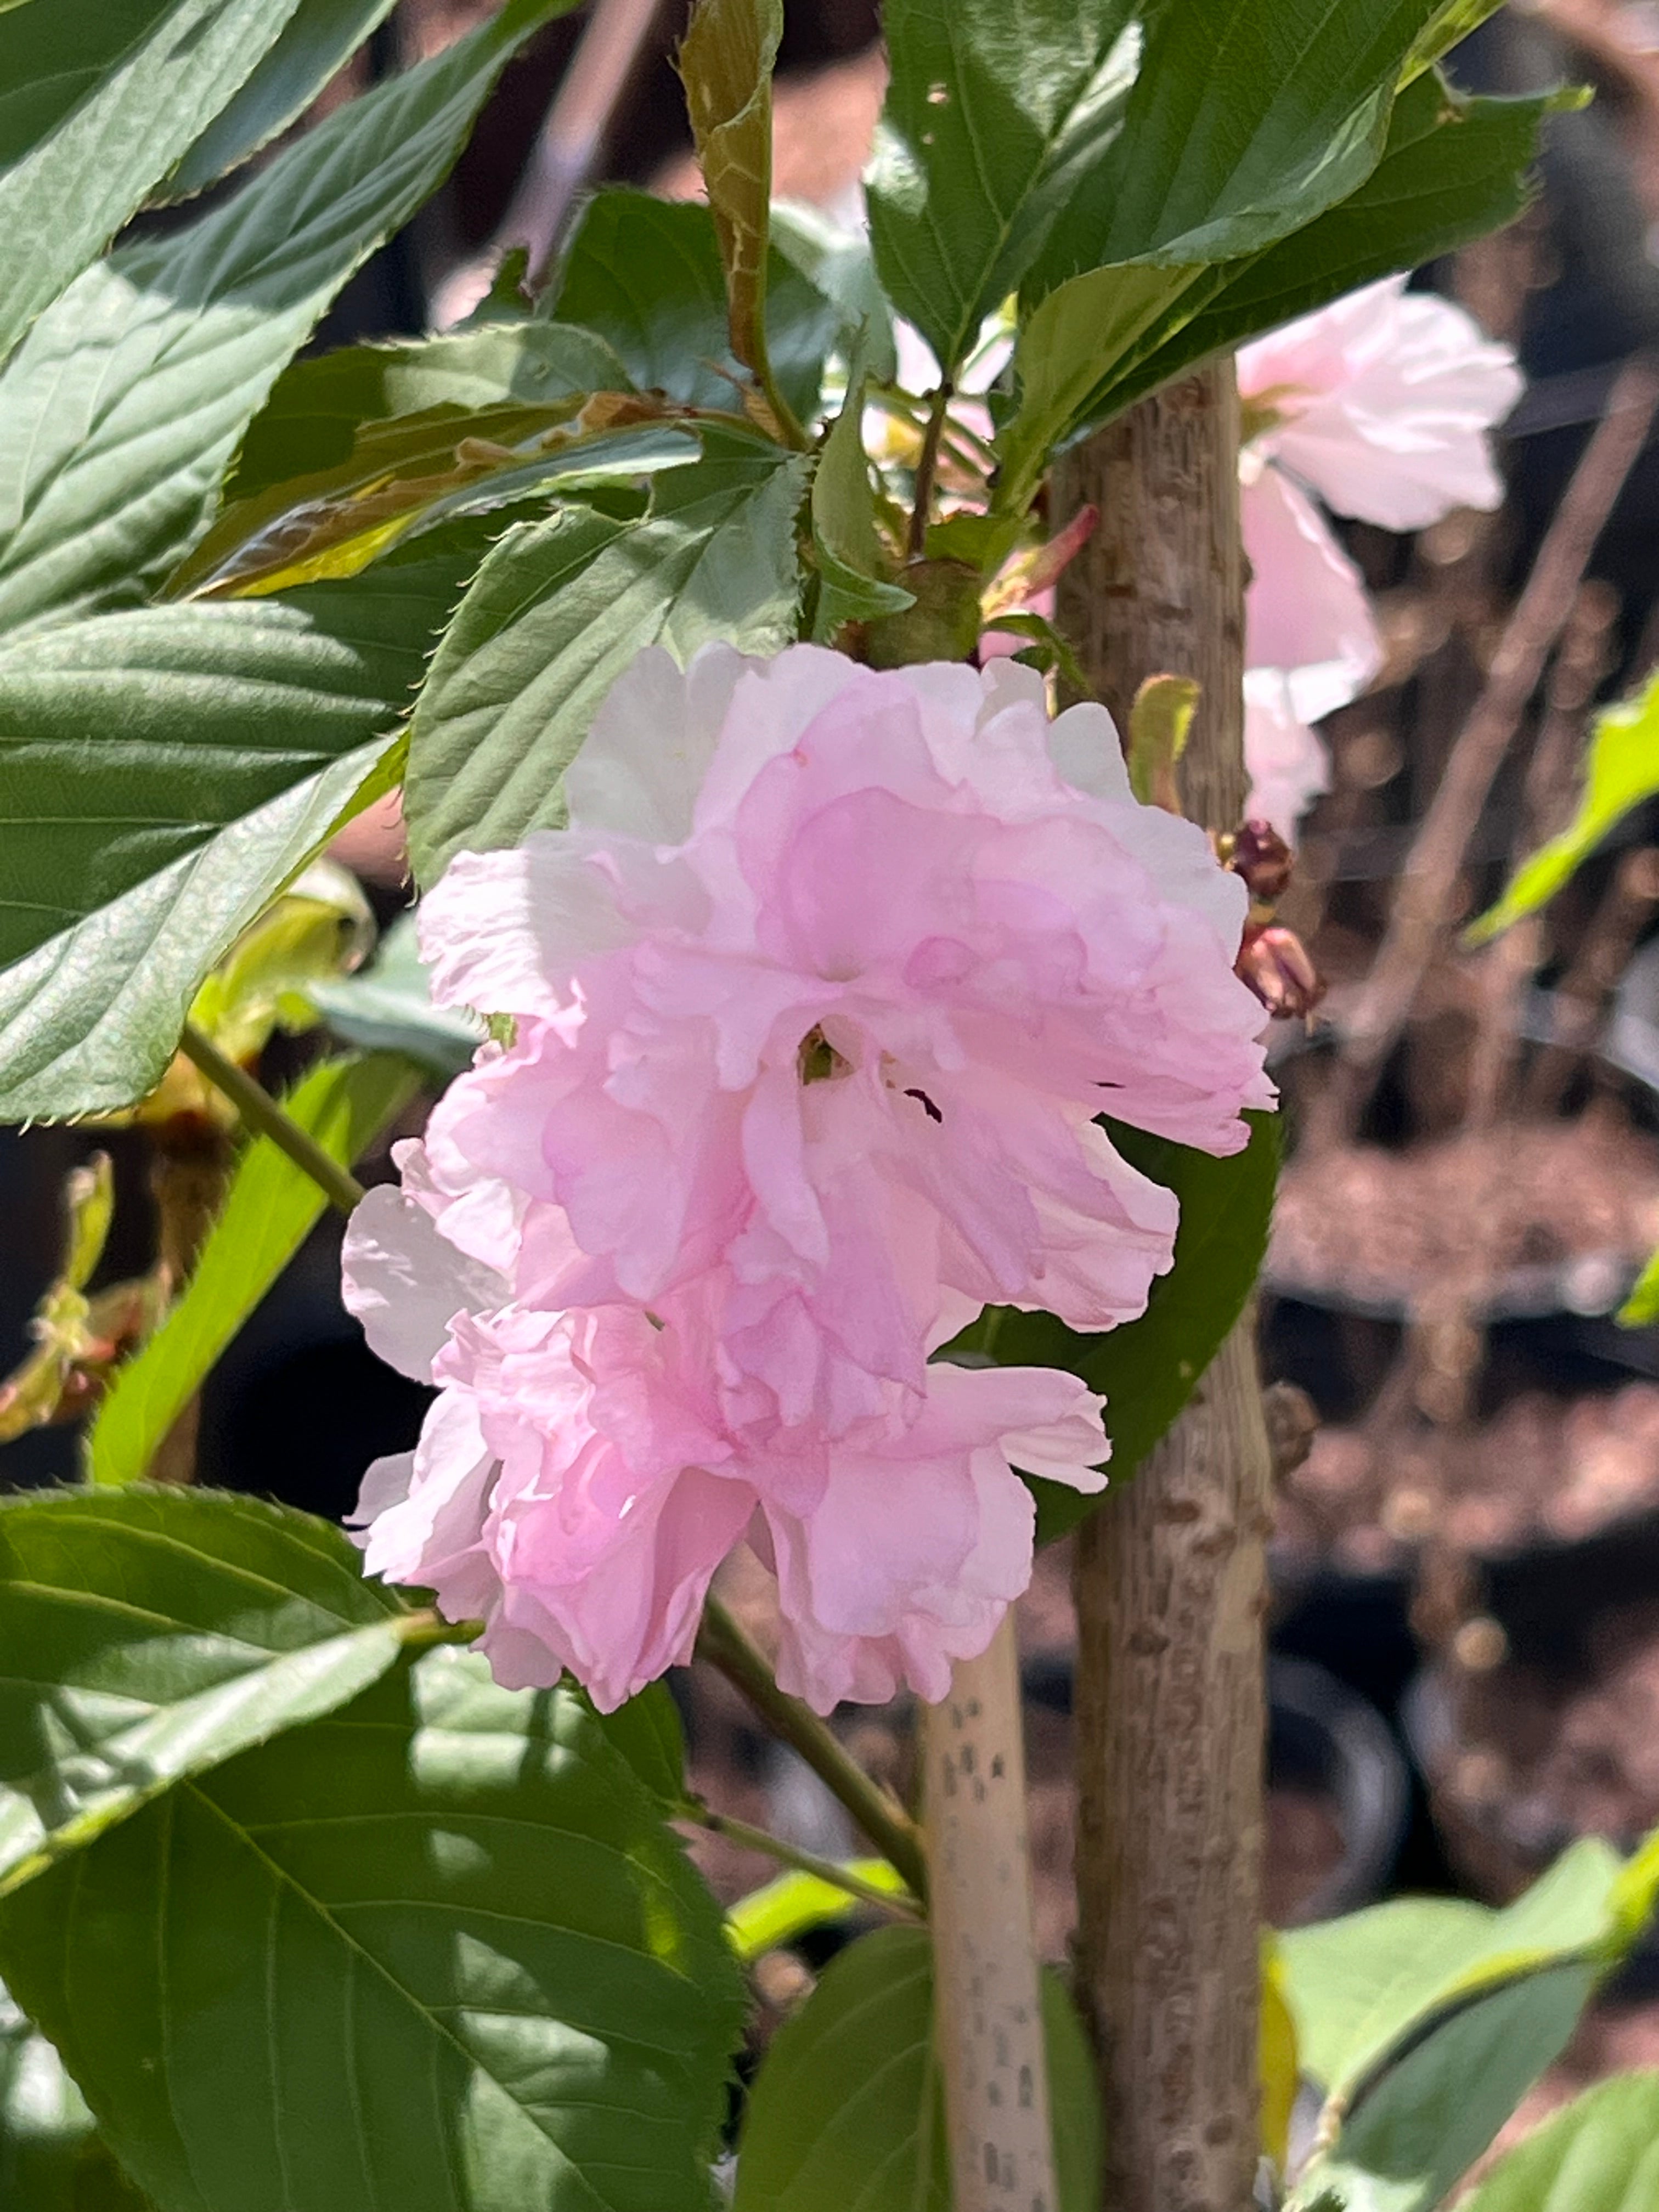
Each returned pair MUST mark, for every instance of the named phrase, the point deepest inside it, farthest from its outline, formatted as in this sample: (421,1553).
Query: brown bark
(1171,1574)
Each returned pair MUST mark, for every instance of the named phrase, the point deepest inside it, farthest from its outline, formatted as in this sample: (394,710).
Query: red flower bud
(1274,962)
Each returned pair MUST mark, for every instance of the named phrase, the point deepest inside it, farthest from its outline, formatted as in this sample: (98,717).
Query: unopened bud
(1274,962)
(1261,855)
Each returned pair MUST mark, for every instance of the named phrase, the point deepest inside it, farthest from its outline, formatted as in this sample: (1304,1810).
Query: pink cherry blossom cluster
(813,1007)
(1379,405)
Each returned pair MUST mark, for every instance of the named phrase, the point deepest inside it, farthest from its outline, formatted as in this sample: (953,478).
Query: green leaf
(1453,21)
(840,263)
(1622,772)
(318,38)
(388,1008)
(1364,1986)
(646,275)
(991,112)
(559,610)
(1080,331)
(784,1910)
(851,587)
(1601,2155)
(438,1951)
(726,62)
(1434,2113)
(98,99)
(272,1207)
(52,2158)
(171,769)
(1147,1370)
(647,1731)
(847,2109)
(317,406)
(120,410)
(1454,169)
(1247,120)
(149,1634)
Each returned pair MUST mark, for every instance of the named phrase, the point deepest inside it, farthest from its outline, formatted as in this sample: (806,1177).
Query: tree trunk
(987,2000)
(1171,1572)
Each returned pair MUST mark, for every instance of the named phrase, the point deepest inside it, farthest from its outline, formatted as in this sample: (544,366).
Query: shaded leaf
(388,1008)
(646,275)
(1621,773)
(1147,1370)
(1365,1985)
(559,610)
(149,1634)
(840,263)
(272,1207)
(992,110)
(847,2107)
(174,767)
(52,2158)
(437,1950)
(119,410)
(648,1732)
(1601,2155)
(850,586)
(98,99)
(318,38)
(726,62)
(1434,2113)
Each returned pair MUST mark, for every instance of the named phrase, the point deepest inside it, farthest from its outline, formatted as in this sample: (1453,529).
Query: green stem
(889,1828)
(774,1847)
(260,1111)
(926,470)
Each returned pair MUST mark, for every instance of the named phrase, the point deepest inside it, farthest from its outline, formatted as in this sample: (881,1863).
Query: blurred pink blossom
(1379,406)
(814,1004)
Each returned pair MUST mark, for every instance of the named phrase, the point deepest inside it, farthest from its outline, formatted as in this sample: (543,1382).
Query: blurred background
(1465,1629)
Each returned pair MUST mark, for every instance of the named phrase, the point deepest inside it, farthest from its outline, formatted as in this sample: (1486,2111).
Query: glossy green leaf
(52,2158)
(1621,771)
(318,38)
(1438,2108)
(1601,2155)
(119,410)
(559,610)
(850,586)
(992,111)
(1454,169)
(1363,1986)
(646,275)
(272,1207)
(150,1633)
(794,1904)
(438,1950)
(388,1007)
(1147,1370)
(1247,119)
(725,61)
(98,99)
(163,772)
(848,2110)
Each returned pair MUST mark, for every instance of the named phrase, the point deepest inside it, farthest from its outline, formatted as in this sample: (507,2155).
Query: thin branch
(926,470)
(889,1828)
(774,1847)
(260,1111)
(1423,901)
